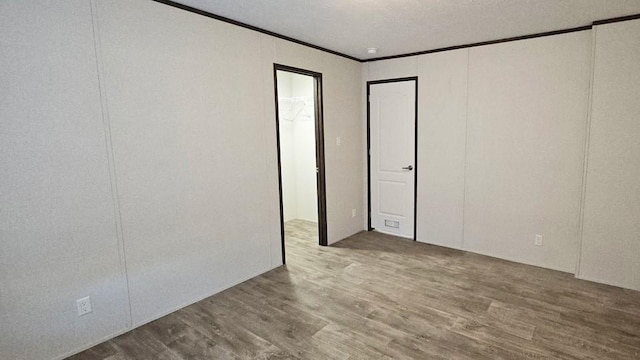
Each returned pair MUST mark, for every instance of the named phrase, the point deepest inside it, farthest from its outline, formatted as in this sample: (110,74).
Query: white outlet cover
(338,141)
(353,212)
(84,305)
(538,240)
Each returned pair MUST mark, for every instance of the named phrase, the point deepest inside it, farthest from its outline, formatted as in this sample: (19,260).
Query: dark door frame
(320,162)
(415,154)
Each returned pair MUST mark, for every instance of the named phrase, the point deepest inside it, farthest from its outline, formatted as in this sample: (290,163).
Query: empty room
(238,179)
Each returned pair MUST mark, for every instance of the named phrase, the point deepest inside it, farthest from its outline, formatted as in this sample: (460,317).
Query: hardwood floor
(374,296)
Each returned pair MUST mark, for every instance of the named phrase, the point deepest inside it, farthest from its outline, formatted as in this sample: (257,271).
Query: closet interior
(296,112)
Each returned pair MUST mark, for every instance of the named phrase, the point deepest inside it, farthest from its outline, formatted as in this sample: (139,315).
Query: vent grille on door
(392,224)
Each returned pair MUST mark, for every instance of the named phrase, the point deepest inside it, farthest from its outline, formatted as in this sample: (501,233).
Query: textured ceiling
(405,26)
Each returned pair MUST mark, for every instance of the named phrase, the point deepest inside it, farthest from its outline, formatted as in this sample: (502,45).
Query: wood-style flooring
(374,296)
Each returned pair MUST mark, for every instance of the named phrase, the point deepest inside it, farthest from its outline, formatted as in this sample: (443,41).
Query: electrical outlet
(353,213)
(538,241)
(84,305)
(338,141)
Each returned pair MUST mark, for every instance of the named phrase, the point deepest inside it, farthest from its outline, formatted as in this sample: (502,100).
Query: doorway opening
(300,139)
(392,138)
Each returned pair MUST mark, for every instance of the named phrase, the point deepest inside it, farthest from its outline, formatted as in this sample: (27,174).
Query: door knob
(408,168)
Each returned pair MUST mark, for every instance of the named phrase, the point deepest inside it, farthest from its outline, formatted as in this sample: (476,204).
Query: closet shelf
(296,108)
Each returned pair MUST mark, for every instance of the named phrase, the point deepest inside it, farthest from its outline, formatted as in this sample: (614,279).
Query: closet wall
(297,146)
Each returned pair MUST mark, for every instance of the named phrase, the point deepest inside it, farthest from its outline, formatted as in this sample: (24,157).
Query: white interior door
(392,139)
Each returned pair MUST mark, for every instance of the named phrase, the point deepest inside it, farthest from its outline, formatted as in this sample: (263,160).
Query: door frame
(320,160)
(415,154)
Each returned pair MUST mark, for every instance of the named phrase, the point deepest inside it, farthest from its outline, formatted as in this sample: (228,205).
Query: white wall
(288,168)
(58,234)
(287,151)
(305,157)
(189,152)
(301,85)
(526,125)
(501,133)
(305,151)
(189,117)
(611,231)
(297,147)
(442,79)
